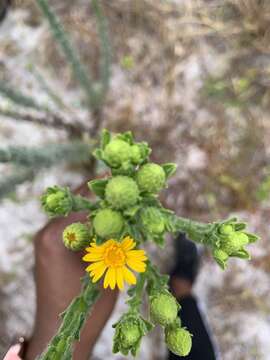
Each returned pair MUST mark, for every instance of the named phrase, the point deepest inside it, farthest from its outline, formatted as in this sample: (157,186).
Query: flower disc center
(71,237)
(114,256)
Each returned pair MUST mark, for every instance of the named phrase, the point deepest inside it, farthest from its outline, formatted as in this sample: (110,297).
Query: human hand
(13,352)
(58,272)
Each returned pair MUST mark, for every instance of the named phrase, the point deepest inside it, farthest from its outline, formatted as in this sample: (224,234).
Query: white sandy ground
(236,302)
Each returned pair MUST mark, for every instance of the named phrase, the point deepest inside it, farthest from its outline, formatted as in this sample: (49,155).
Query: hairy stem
(196,231)
(82,204)
(74,317)
(136,300)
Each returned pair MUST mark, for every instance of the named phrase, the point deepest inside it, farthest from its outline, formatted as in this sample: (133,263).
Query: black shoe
(186,258)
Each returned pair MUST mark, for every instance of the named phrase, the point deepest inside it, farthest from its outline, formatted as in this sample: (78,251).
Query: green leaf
(252,237)
(105,138)
(221,263)
(169,169)
(131,291)
(147,326)
(239,226)
(134,232)
(159,240)
(151,200)
(98,187)
(144,149)
(126,136)
(98,154)
(124,351)
(242,254)
(131,212)
(115,348)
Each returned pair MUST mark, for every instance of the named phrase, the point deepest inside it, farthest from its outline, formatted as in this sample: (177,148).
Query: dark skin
(58,272)
(180,287)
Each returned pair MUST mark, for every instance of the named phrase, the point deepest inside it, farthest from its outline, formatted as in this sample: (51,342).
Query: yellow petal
(128,243)
(110,278)
(95,265)
(108,243)
(120,278)
(92,257)
(129,277)
(99,272)
(137,258)
(136,265)
(97,249)
(136,253)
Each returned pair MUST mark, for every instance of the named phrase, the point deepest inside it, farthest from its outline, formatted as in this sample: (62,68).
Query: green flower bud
(129,331)
(117,152)
(122,192)
(163,308)
(108,223)
(57,201)
(152,220)
(76,236)
(233,243)
(242,238)
(53,200)
(178,340)
(221,257)
(226,229)
(151,178)
(135,154)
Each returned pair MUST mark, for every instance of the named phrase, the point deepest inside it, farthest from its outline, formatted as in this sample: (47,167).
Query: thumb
(12,354)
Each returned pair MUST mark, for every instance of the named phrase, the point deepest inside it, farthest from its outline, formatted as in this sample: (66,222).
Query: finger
(13,352)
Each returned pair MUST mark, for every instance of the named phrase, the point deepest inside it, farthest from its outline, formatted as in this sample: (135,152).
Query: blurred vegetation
(31,160)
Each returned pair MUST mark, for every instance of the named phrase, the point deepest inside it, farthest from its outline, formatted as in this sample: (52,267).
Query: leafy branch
(73,319)
(19,98)
(49,119)
(45,156)
(78,69)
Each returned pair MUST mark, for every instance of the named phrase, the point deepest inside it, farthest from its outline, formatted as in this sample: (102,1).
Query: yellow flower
(115,257)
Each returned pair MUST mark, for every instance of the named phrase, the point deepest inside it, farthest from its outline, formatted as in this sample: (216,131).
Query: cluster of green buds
(129,331)
(57,201)
(164,311)
(121,153)
(128,199)
(225,238)
(125,214)
(231,239)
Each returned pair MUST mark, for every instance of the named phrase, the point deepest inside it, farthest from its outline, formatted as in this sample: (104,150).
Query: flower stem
(81,204)
(196,231)
(136,300)
(73,319)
